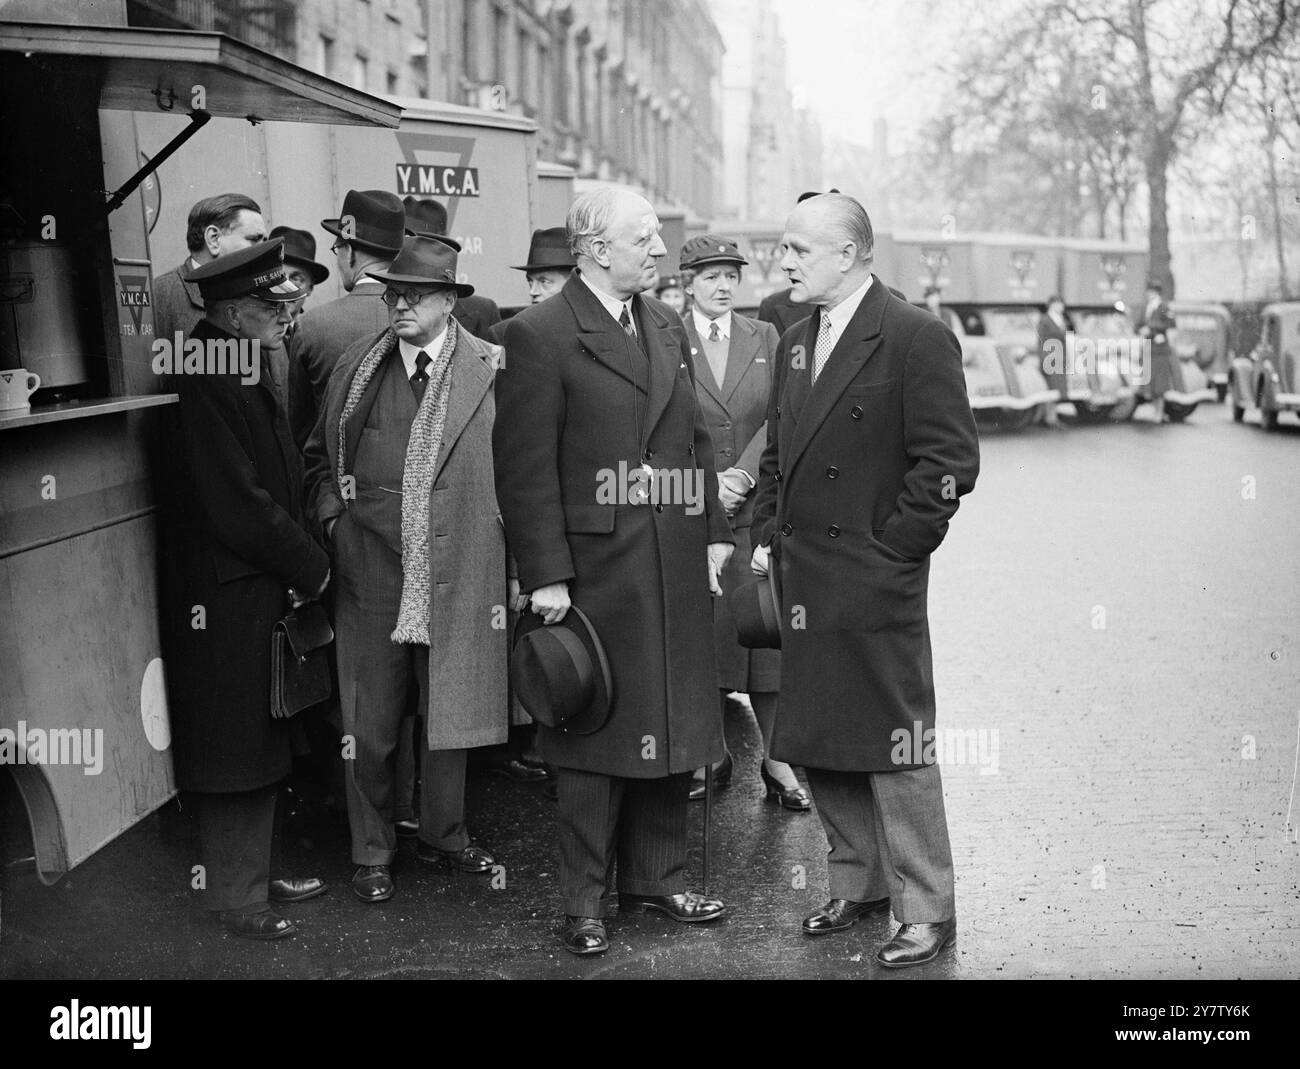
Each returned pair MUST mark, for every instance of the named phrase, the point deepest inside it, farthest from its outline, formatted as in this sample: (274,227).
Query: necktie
(625,321)
(715,348)
(823,351)
(421,377)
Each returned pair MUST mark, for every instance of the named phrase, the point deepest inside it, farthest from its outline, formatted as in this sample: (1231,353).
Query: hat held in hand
(756,608)
(560,673)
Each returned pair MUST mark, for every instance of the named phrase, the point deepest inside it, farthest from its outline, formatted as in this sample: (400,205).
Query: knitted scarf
(422,449)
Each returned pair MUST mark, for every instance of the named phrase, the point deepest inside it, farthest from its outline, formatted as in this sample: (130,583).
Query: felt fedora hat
(756,608)
(424,261)
(371,218)
(549,250)
(561,674)
(300,249)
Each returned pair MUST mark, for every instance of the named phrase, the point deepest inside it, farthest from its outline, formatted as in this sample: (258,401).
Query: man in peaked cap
(475,313)
(235,540)
(400,476)
(368,234)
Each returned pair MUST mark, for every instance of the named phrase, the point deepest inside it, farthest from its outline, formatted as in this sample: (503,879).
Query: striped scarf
(422,449)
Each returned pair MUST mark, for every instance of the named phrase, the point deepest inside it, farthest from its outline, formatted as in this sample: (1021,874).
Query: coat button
(856,412)
(726,426)
(690,448)
(833,531)
(787,530)
(659,508)
(726,452)
(832,472)
(778,476)
(648,454)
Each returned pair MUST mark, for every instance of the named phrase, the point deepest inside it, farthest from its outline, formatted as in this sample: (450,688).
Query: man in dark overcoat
(597,385)
(236,549)
(871,445)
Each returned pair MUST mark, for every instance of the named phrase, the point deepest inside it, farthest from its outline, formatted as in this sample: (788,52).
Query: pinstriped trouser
(640,823)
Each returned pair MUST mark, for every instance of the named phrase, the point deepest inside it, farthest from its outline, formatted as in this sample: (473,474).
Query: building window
(523,84)
(325,56)
(500,45)
(469,41)
(390,80)
(360,71)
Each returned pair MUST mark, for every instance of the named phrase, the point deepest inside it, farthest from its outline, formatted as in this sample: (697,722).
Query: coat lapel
(599,333)
(703,373)
(740,354)
(470,379)
(663,347)
(856,345)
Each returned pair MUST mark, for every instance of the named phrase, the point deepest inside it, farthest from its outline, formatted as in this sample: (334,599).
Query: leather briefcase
(300,660)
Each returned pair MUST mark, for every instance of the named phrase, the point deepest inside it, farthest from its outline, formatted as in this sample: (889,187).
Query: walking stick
(708,819)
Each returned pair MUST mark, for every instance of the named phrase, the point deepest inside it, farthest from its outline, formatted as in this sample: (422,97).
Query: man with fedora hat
(234,541)
(599,381)
(368,234)
(475,313)
(401,478)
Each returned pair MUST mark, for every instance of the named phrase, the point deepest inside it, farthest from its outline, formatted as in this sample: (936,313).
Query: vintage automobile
(1100,341)
(1269,378)
(1205,337)
(999,348)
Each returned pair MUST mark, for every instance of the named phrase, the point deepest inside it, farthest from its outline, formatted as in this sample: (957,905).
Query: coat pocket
(588,519)
(866,389)
(228,568)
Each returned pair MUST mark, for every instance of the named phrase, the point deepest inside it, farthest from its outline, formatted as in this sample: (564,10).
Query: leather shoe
(373,883)
(689,907)
(584,935)
(263,925)
(296,888)
(915,944)
(408,828)
(795,798)
(721,778)
(841,913)
(517,769)
(472,858)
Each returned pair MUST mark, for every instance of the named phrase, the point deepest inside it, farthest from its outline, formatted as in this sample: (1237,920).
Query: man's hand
(719,554)
(551,603)
(759,561)
(733,488)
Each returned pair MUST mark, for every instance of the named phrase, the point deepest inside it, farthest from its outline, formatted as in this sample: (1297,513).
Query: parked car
(999,348)
(1205,337)
(1096,383)
(1269,379)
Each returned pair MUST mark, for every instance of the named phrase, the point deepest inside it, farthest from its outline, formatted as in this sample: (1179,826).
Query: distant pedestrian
(1154,324)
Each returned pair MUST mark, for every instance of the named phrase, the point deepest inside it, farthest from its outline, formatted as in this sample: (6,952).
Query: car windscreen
(1102,324)
(1012,324)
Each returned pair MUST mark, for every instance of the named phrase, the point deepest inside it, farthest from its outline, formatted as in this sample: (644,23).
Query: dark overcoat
(1050,331)
(860,477)
(467,703)
(781,312)
(319,339)
(736,414)
(233,538)
(1156,327)
(177,304)
(576,397)
(477,314)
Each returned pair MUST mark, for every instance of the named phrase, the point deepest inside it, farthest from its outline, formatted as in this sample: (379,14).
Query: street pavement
(1114,618)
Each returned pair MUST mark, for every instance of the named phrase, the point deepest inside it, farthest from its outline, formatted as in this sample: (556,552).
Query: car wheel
(1267,416)
(1090,414)
(1176,412)
(1014,419)
(1221,388)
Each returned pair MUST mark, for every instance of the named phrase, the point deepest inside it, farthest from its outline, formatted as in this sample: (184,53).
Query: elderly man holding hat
(401,479)
(236,552)
(368,234)
(734,364)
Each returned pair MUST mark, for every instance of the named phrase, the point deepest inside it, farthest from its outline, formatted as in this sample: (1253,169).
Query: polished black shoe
(796,798)
(689,907)
(472,858)
(263,925)
(373,883)
(915,944)
(296,888)
(840,913)
(408,828)
(721,779)
(584,935)
(519,769)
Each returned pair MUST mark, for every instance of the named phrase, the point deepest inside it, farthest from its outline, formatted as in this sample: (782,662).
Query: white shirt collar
(843,312)
(612,304)
(410,352)
(702,324)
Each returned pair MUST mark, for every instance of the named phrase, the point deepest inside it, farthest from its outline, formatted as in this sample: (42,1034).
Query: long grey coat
(467,619)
